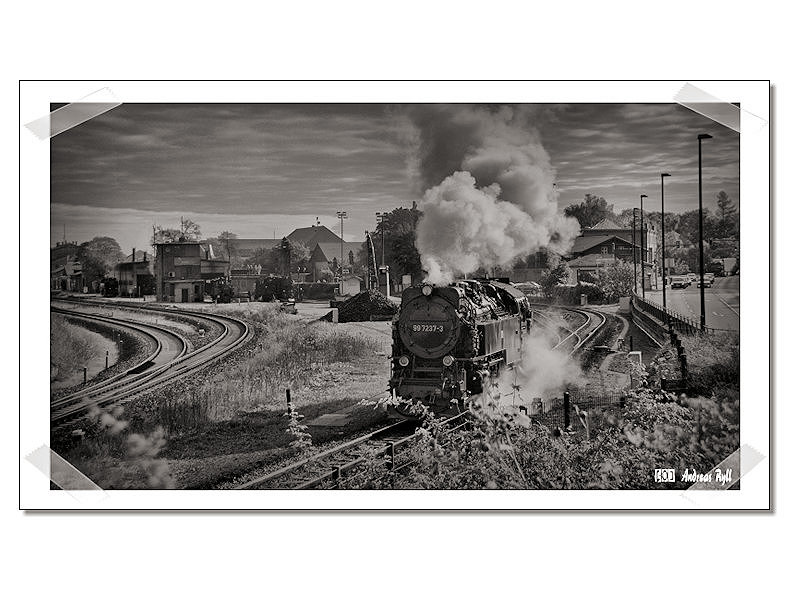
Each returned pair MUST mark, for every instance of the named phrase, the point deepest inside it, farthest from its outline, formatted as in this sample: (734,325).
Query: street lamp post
(380,217)
(633,245)
(700,137)
(642,239)
(341,215)
(663,246)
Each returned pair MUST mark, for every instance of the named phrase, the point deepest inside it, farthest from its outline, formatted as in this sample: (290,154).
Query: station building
(181,269)
(135,275)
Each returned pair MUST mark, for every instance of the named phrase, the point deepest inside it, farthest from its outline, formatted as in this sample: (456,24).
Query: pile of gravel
(366,306)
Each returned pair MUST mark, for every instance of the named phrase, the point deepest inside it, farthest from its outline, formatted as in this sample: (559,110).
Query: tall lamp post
(642,239)
(663,246)
(633,246)
(380,217)
(341,215)
(700,137)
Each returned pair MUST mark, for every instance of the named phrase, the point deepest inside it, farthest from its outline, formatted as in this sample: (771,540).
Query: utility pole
(700,137)
(341,215)
(663,246)
(633,245)
(642,239)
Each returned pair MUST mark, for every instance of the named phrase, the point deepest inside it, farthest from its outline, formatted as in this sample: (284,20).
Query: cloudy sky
(263,170)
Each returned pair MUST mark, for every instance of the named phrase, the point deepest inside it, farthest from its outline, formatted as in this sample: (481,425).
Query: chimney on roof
(133,253)
(145,256)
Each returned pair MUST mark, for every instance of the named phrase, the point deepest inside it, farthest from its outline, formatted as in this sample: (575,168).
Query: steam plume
(492,199)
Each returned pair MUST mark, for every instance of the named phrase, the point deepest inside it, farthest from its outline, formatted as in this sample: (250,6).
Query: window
(604,249)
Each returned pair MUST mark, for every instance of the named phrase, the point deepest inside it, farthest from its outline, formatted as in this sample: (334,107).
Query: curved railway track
(234,333)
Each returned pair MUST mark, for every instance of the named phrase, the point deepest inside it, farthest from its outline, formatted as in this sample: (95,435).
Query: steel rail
(185,364)
(143,328)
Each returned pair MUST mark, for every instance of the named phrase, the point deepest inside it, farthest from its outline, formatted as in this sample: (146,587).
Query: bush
(571,294)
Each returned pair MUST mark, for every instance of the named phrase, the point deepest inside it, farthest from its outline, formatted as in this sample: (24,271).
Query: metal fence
(566,412)
(670,318)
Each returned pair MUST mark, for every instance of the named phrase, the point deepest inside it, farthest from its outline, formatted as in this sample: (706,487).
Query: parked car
(692,277)
(679,282)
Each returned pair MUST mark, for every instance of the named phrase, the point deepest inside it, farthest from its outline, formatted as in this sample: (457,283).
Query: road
(722,302)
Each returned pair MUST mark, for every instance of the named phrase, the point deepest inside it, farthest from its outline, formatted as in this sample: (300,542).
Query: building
(181,269)
(601,244)
(135,275)
(65,270)
(324,246)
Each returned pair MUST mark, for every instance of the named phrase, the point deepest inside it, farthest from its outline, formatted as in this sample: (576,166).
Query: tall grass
(287,354)
(70,348)
(713,361)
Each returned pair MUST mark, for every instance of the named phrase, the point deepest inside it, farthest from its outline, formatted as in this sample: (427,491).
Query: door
(184,295)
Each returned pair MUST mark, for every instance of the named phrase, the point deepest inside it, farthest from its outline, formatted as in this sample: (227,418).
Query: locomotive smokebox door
(429,327)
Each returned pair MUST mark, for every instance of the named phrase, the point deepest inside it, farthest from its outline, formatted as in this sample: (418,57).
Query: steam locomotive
(447,342)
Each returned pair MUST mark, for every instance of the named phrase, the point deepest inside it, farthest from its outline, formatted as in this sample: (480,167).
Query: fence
(560,412)
(672,319)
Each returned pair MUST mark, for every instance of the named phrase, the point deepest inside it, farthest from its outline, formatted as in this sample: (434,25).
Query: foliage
(616,280)
(592,210)
(399,227)
(69,347)
(222,244)
(98,257)
(302,438)
(189,230)
(112,457)
(555,275)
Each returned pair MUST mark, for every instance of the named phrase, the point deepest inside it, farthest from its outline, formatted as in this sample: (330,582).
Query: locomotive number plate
(427,328)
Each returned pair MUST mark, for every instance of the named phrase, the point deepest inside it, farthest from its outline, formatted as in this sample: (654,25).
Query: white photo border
(753,96)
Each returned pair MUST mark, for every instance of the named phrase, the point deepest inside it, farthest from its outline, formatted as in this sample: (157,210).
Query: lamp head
(704,136)
(665,174)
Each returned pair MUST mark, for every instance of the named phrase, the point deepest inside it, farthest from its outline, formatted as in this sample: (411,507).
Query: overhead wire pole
(633,245)
(642,240)
(700,137)
(663,246)
(341,215)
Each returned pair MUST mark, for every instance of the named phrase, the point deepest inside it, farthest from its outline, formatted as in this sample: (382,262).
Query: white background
(403,40)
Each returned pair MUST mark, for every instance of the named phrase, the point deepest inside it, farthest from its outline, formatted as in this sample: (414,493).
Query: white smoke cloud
(497,203)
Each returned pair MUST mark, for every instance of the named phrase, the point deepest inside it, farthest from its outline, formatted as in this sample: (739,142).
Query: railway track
(329,468)
(154,371)
(576,338)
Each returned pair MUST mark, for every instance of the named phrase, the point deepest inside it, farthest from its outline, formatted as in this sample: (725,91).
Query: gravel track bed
(144,315)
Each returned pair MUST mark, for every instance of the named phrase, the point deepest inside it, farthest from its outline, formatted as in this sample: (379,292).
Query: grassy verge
(70,348)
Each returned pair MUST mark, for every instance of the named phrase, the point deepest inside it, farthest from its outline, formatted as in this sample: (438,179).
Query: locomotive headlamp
(448,360)
(427,290)
(403,361)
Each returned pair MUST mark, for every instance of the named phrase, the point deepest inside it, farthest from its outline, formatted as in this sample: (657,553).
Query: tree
(98,257)
(727,222)
(222,244)
(592,210)
(556,274)
(616,280)
(300,255)
(399,227)
(189,230)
